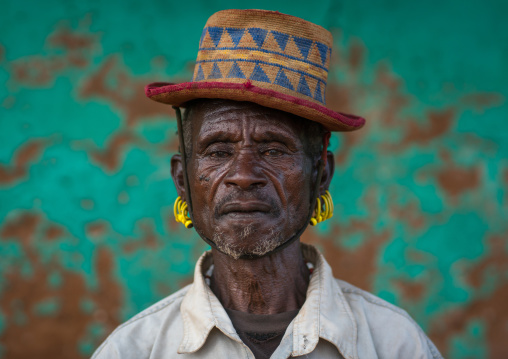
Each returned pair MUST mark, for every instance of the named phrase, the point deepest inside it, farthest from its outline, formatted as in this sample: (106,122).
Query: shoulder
(360,299)
(390,329)
(135,337)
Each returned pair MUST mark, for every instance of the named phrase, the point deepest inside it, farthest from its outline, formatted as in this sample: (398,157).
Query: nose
(245,172)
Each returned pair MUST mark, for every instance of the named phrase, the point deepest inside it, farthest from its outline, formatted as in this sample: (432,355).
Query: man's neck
(268,285)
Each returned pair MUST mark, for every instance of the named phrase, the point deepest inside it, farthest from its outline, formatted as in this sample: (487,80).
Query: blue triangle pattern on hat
(259,75)
(281,38)
(236,72)
(303,87)
(215,34)
(282,80)
(215,74)
(200,74)
(236,34)
(258,35)
(317,95)
(323,51)
(303,45)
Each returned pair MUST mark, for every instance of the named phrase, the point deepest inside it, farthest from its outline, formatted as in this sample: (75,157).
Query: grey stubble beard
(262,247)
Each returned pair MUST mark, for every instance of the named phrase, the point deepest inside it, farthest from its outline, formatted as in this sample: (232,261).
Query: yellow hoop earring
(322,215)
(182,213)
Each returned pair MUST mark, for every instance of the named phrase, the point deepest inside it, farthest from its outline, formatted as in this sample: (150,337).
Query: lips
(245,208)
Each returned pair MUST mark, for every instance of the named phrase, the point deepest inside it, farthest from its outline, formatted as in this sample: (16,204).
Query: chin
(249,240)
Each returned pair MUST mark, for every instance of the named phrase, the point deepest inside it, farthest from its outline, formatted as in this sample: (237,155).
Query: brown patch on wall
(349,95)
(127,94)
(492,311)
(339,98)
(8,102)
(395,100)
(480,101)
(346,95)
(411,291)
(349,142)
(25,155)
(31,334)
(149,239)
(172,145)
(87,204)
(109,158)
(54,232)
(109,296)
(71,40)
(96,229)
(390,114)
(488,308)
(386,78)
(356,55)
(410,214)
(417,256)
(34,71)
(172,226)
(455,180)
(438,123)
(40,71)
(497,259)
(358,265)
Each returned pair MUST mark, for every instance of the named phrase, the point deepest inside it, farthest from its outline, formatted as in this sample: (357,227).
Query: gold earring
(322,215)
(182,213)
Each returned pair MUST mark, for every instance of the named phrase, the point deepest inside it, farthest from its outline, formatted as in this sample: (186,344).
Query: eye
(273,153)
(219,154)
(219,150)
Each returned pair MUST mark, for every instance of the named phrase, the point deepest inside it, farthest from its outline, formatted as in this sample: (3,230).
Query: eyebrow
(214,136)
(217,136)
(275,136)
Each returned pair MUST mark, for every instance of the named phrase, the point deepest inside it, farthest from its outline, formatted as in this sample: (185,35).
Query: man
(253,172)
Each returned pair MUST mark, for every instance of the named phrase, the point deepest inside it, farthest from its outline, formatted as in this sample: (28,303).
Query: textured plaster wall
(87,237)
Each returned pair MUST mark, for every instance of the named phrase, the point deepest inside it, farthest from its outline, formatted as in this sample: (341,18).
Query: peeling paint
(87,237)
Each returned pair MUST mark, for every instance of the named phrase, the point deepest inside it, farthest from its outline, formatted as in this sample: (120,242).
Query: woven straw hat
(272,59)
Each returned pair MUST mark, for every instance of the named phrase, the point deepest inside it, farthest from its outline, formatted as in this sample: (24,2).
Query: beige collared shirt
(337,320)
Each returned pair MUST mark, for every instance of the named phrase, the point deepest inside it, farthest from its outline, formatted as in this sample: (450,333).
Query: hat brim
(179,94)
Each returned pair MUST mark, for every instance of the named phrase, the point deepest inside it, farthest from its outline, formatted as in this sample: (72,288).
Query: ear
(328,171)
(177,174)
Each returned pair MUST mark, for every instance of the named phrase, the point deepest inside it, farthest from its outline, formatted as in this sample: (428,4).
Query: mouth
(245,209)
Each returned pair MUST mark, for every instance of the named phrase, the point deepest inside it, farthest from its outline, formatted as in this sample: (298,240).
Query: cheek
(203,184)
(298,190)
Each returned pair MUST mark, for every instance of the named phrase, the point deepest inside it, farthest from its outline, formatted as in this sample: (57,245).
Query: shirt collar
(202,311)
(325,313)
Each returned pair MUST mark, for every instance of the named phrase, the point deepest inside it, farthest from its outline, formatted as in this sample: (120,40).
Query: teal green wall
(87,237)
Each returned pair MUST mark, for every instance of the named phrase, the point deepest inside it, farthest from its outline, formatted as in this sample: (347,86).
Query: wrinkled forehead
(223,115)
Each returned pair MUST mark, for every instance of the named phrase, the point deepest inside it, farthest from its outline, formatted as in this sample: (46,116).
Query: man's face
(249,177)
